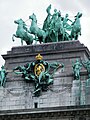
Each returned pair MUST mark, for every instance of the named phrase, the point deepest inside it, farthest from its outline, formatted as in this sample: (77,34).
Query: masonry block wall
(18,94)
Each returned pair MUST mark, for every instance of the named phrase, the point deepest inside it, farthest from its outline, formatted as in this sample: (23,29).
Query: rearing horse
(41,34)
(76,27)
(23,33)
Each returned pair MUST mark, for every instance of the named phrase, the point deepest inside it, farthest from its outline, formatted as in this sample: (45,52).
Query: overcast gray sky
(11,10)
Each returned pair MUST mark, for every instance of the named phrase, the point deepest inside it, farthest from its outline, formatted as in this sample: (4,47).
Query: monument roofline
(49,48)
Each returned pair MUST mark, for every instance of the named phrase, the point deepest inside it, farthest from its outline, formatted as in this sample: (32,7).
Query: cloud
(11,10)
(67,5)
(86,4)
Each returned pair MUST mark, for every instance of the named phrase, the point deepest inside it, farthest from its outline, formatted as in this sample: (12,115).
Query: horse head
(19,21)
(33,17)
(78,15)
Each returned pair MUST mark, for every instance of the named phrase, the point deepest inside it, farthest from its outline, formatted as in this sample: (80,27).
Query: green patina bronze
(3,74)
(87,66)
(47,20)
(76,69)
(39,72)
(40,33)
(76,27)
(23,33)
(55,28)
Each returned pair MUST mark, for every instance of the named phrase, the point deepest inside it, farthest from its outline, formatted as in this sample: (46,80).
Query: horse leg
(76,37)
(21,41)
(56,34)
(36,39)
(4,81)
(63,34)
(35,36)
(77,34)
(30,39)
(43,39)
(13,37)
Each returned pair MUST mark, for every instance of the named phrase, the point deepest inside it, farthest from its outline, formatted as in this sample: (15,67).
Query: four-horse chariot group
(55,28)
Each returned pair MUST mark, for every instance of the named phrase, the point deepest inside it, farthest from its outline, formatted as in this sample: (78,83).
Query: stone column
(88,91)
(2,92)
(76,92)
(82,98)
